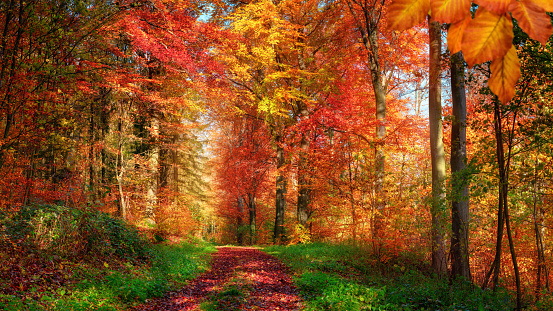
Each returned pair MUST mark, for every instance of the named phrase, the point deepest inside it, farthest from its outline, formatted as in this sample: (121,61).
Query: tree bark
(437,209)
(91,156)
(239,221)
(303,185)
(542,271)
(151,195)
(280,204)
(460,266)
(120,165)
(253,215)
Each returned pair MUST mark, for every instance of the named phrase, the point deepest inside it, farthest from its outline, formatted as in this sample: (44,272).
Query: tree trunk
(91,157)
(303,184)
(368,28)
(253,213)
(542,271)
(151,195)
(503,211)
(437,209)
(460,265)
(280,204)
(239,221)
(120,166)
(380,99)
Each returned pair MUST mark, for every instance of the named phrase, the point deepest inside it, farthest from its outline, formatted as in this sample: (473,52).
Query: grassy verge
(54,258)
(341,277)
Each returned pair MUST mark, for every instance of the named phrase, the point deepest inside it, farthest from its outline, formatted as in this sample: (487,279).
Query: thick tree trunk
(437,209)
(280,204)
(460,202)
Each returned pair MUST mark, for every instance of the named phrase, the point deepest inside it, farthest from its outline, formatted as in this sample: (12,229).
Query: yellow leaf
(404,14)
(449,11)
(455,34)
(496,6)
(547,5)
(487,37)
(532,19)
(505,74)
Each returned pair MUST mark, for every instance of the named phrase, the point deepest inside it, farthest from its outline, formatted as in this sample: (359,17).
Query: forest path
(241,278)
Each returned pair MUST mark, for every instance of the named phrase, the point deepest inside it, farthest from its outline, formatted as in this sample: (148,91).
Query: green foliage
(344,277)
(329,292)
(115,267)
(229,298)
(73,232)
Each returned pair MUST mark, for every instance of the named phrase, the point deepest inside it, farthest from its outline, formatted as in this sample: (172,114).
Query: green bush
(106,264)
(73,232)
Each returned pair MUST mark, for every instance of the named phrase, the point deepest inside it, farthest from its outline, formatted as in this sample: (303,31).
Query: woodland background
(258,122)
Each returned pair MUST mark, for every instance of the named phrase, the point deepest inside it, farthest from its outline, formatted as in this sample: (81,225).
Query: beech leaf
(505,74)
(404,14)
(449,11)
(455,34)
(496,6)
(487,37)
(532,19)
(547,5)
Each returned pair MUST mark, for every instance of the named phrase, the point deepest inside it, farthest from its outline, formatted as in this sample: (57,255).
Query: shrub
(67,231)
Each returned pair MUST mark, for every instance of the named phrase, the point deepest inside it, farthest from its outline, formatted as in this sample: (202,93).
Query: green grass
(229,298)
(114,288)
(343,277)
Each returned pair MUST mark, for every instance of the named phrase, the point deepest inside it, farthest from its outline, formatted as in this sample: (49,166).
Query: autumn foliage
(258,122)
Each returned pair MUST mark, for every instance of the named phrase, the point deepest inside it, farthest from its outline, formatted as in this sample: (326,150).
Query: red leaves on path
(267,285)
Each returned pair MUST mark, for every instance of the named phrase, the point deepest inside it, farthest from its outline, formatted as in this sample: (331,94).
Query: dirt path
(240,279)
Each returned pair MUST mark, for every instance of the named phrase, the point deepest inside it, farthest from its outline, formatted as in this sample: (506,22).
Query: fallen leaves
(240,278)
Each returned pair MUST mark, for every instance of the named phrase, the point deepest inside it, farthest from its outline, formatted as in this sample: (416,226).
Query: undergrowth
(343,277)
(57,258)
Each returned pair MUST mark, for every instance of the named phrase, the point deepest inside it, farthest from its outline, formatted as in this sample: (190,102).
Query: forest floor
(241,278)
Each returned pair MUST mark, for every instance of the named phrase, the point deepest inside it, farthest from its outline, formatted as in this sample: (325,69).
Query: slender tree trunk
(368,28)
(437,209)
(303,185)
(460,265)
(151,195)
(280,204)
(503,211)
(542,271)
(30,179)
(380,160)
(175,156)
(303,165)
(120,167)
(253,214)
(91,156)
(240,221)
(352,202)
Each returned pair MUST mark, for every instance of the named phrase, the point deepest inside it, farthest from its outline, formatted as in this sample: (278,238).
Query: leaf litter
(241,278)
